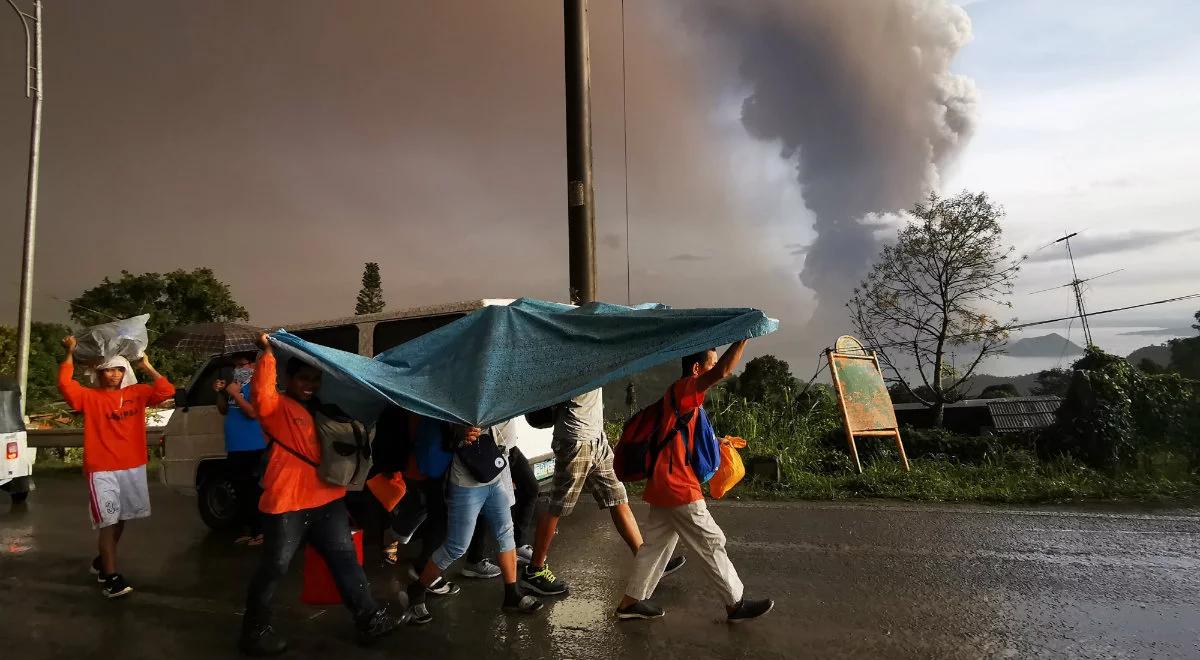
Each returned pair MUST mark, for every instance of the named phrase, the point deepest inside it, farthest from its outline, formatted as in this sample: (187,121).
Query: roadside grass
(70,463)
(807,440)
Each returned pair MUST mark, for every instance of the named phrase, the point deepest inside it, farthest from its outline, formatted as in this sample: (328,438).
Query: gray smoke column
(860,93)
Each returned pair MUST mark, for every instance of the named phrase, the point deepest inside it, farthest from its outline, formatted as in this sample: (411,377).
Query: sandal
(391,553)
(257,540)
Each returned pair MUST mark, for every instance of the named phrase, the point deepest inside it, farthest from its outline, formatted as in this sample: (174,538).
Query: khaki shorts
(585,464)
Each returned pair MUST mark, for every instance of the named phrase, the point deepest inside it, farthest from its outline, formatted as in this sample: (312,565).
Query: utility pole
(33,89)
(581,207)
(1076,285)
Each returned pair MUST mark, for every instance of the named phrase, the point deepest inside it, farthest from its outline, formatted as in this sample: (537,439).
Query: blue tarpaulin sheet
(507,360)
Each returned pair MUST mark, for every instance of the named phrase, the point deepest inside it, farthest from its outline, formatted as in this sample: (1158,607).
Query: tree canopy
(1052,382)
(370,296)
(934,292)
(1185,354)
(45,352)
(172,299)
(1000,391)
(766,379)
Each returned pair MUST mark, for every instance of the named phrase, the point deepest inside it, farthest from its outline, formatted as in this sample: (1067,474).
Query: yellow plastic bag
(731,470)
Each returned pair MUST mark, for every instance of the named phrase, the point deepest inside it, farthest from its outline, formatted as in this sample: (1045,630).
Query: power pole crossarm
(34,88)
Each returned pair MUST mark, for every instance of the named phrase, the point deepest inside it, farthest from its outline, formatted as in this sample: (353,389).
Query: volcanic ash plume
(860,94)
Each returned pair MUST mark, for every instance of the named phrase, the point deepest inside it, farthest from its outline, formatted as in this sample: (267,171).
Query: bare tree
(931,293)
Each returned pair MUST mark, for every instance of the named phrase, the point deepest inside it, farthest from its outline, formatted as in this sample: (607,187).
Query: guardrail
(74,437)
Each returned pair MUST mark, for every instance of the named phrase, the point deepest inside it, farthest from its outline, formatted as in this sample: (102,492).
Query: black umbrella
(211,338)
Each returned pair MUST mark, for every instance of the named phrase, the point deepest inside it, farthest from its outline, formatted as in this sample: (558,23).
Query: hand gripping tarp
(504,361)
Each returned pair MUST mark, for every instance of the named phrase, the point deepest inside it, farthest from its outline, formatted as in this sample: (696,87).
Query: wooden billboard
(863,396)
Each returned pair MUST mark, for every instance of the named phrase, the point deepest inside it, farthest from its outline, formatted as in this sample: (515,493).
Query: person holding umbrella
(244,444)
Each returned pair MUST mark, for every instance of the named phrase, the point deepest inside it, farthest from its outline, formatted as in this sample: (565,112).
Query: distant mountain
(1160,355)
(1052,345)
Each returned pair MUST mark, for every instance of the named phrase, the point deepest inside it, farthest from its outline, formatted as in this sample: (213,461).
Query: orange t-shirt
(673,483)
(114,422)
(289,483)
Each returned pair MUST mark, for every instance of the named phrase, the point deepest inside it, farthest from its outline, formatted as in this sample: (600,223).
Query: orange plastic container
(319,587)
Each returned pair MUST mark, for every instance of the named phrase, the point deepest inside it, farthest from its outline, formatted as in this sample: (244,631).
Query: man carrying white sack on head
(114,450)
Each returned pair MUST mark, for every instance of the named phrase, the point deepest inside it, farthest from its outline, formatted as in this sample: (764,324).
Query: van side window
(342,337)
(389,334)
(202,393)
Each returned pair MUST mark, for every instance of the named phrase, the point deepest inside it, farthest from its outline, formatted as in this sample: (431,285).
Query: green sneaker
(542,581)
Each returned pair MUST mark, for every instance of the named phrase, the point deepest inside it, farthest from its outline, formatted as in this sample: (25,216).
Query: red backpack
(642,440)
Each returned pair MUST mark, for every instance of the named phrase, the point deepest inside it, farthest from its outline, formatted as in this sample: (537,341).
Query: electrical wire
(1018,326)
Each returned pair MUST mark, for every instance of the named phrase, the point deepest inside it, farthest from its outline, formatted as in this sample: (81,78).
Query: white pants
(695,525)
(118,495)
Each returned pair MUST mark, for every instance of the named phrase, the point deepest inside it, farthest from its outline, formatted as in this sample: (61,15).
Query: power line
(1019,326)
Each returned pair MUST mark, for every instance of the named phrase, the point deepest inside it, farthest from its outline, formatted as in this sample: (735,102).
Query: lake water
(1112,340)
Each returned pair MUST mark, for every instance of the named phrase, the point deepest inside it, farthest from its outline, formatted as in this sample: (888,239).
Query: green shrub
(1115,413)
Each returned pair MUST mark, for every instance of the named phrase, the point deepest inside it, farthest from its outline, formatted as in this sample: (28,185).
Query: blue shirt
(241,432)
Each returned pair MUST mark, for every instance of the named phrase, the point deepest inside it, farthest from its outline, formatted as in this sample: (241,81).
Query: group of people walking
(486,484)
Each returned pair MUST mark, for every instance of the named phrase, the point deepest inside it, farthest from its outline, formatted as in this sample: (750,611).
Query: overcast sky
(285,143)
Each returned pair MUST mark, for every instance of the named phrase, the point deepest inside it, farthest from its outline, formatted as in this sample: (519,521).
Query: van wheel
(18,489)
(218,500)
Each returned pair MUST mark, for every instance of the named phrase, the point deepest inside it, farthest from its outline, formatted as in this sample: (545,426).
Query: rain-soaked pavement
(850,581)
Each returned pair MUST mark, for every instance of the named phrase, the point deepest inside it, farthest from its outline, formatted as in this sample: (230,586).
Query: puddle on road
(579,613)
(17,541)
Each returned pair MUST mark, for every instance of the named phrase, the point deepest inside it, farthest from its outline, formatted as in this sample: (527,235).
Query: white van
(16,456)
(193,446)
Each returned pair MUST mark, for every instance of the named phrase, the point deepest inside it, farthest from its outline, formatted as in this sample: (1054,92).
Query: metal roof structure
(1009,415)
(1023,413)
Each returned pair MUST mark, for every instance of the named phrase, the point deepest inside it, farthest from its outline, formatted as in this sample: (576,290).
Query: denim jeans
(327,528)
(464,507)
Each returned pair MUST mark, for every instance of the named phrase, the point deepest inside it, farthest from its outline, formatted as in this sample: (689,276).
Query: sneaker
(483,570)
(674,565)
(261,641)
(750,609)
(526,605)
(379,624)
(543,582)
(525,554)
(115,586)
(94,569)
(443,587)
(641,609)
(418,615)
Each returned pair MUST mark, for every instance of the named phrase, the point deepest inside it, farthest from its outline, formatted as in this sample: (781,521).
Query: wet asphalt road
(850,581)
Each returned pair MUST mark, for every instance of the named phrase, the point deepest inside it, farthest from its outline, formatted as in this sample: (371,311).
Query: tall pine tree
(370,296)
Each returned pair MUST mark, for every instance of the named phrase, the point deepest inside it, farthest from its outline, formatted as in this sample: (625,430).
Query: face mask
(242,375)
